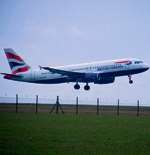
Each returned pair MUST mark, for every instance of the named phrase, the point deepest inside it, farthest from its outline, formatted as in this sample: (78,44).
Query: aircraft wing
(64,72)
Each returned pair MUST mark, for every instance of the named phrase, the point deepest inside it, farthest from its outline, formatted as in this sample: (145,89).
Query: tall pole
(37,100)
(77,104)
(138,107)
(57,104)
(118,107)
(97,106)
(16,103)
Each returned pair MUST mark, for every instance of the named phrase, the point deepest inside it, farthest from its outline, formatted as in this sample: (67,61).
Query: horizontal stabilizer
(10,76)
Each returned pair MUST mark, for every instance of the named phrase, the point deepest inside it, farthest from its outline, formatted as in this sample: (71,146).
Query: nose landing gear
(130,79)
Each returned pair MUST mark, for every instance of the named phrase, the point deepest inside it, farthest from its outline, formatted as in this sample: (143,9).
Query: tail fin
(16,63)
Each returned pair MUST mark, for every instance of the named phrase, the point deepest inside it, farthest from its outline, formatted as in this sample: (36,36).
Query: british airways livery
(102,72)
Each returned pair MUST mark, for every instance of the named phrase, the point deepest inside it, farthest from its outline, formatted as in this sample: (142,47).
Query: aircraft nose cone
(147,66)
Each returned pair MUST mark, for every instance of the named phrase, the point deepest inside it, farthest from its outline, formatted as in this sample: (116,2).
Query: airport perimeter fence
(75,106)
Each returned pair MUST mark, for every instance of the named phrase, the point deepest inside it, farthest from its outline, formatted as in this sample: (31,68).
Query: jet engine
(99,79)
(104,80)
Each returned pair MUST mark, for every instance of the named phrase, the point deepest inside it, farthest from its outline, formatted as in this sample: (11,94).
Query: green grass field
(45,134)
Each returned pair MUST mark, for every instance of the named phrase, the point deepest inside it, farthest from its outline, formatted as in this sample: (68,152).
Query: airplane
(102,72)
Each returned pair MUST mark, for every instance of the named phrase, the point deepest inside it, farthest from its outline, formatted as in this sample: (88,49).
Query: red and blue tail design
(16,63)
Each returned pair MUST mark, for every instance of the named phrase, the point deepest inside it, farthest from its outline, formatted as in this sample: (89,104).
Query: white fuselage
(93,72)
(102,72)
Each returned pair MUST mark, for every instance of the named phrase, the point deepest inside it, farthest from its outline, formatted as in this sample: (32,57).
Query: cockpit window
(138,62)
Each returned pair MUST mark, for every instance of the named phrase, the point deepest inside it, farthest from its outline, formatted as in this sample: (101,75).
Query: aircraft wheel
(86,87)
(77,86)
(131,81)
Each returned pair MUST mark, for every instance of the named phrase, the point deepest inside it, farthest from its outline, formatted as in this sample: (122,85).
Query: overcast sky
(62,32)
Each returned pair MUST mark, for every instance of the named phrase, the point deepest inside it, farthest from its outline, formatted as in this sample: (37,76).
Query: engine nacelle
(91,76)
(98,79)
(104,80)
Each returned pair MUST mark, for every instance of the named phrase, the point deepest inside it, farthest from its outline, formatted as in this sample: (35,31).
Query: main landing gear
(77,86)
(87,87)
(130,79)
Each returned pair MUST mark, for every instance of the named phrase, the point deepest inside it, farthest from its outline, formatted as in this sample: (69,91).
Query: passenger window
(138,62)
